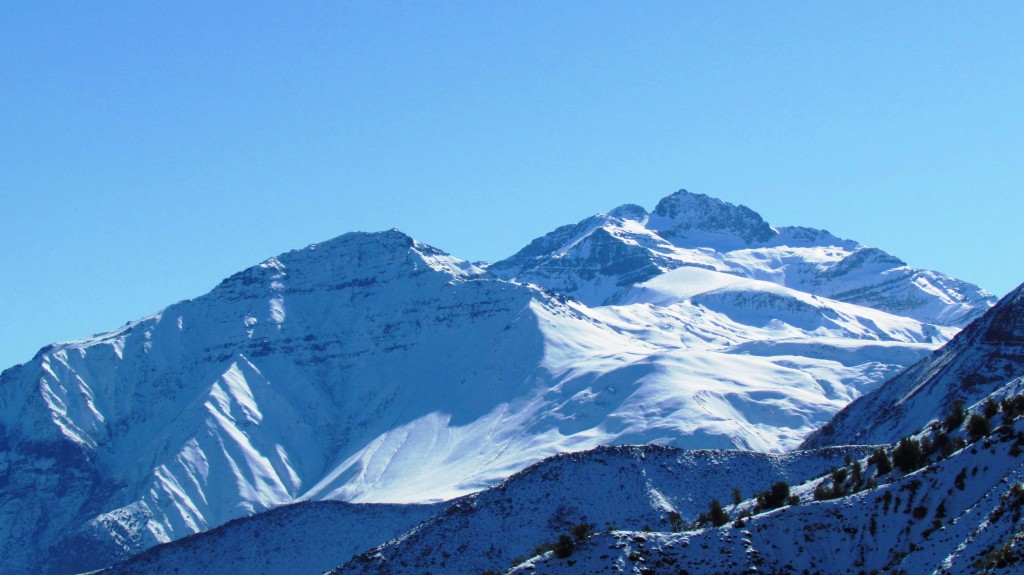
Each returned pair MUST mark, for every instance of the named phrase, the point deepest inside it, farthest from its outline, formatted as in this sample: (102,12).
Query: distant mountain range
(374,368)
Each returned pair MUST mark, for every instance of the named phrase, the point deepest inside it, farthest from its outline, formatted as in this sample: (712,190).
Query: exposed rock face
(683,213)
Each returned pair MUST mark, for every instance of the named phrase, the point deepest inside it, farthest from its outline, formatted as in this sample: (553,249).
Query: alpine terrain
(373,368)
(947,498)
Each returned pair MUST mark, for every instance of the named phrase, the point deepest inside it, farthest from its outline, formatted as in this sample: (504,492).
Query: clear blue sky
(147,150)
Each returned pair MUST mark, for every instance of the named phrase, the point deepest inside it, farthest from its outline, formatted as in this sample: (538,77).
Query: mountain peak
(355,258)
(681,214)
(630,212)
(389,240)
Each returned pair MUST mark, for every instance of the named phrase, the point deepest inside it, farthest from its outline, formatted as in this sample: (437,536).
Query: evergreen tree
(955,418)
(881,461)
(857,475)
(718,516)
(675,520)
(907,456)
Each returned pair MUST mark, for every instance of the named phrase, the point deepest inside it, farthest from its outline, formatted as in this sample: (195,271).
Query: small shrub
(978,426)
(583,530)
(990,408)
(943,444)
(857,475)
(822,493)
(927,445)
(1012,407)
(542,549)
(564,546)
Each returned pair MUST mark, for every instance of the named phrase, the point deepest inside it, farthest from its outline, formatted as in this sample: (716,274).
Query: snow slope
(306,538)
(982,360)
(374,368)
(952,513)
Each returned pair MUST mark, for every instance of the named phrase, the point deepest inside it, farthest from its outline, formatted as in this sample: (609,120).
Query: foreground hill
(957,515)
(612,487)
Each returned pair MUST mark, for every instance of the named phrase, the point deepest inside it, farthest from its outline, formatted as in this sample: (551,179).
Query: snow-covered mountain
(374,368)
(985,360)
(602,257)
